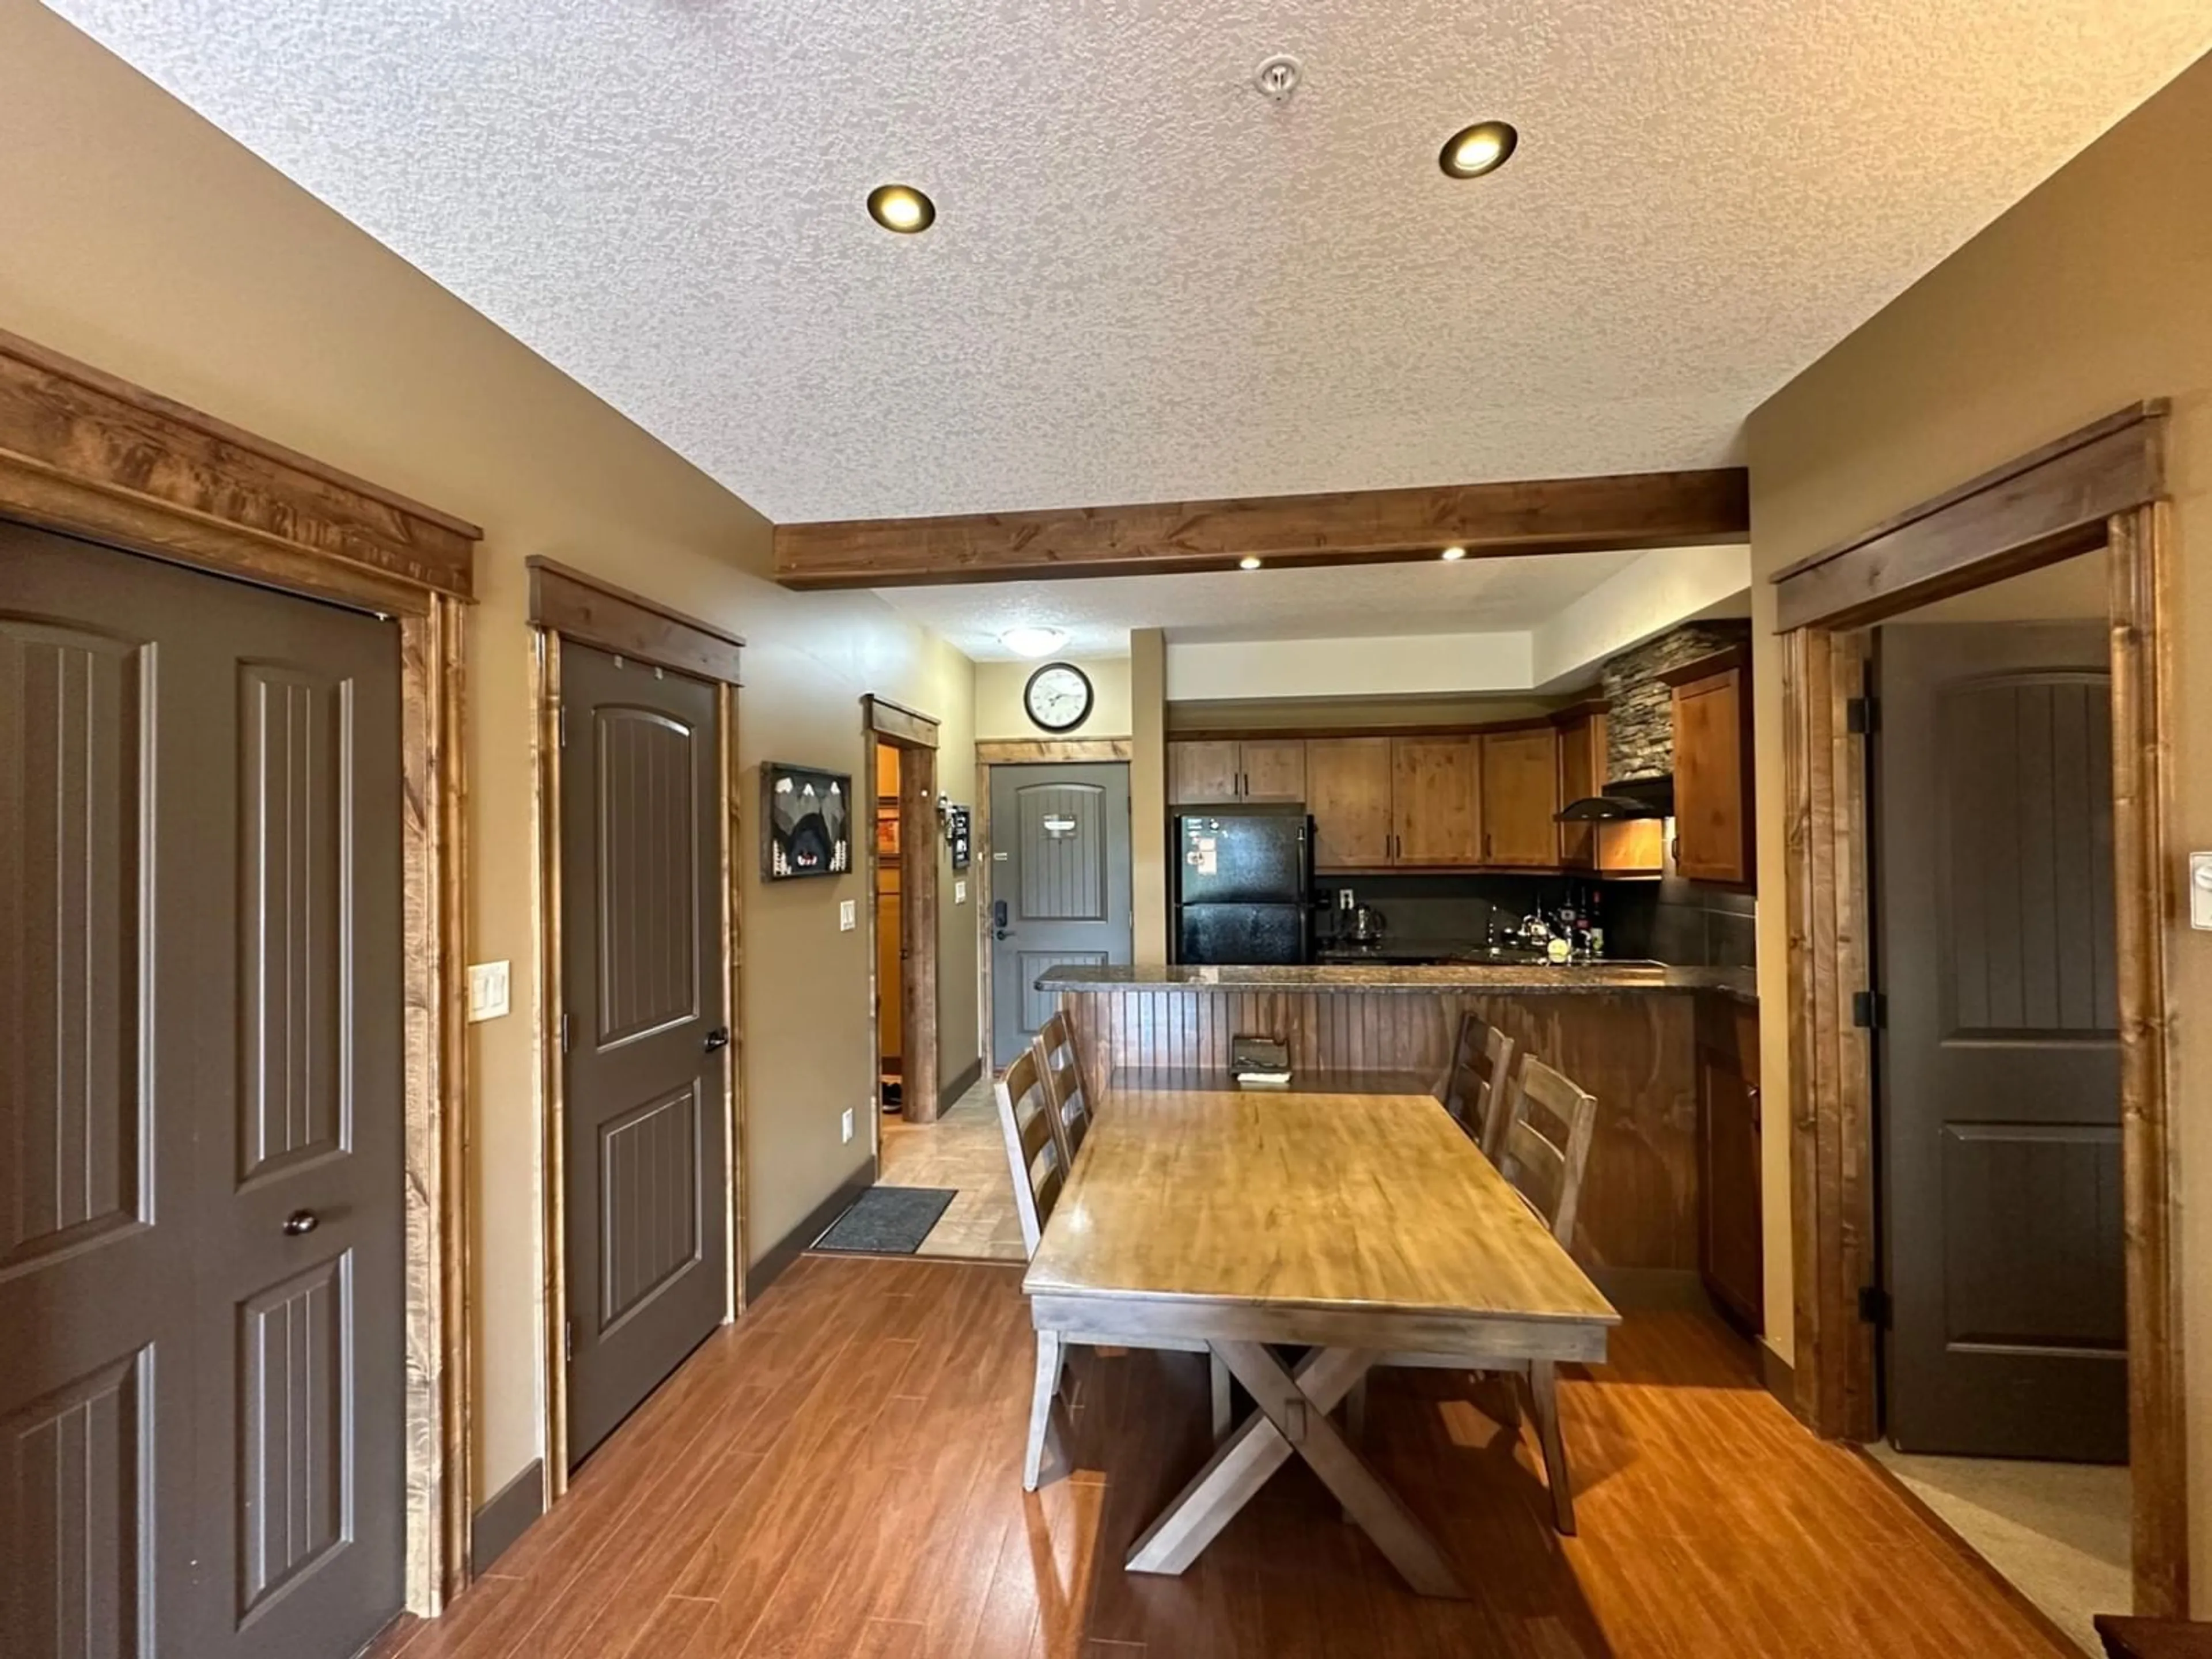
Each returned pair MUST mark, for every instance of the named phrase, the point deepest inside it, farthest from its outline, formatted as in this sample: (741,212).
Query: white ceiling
(1336,602)
(1146,282)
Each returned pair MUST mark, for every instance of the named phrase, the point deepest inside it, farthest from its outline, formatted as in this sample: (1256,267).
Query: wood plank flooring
(839,1475)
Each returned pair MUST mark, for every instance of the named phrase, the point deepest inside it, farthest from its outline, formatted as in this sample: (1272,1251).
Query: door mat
(887,1221)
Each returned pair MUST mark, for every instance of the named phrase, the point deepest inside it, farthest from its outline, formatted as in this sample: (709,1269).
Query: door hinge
(568,1342)
(1869,1010)
(565,1029)
(1862,716)
(561,715)
(1874,1306)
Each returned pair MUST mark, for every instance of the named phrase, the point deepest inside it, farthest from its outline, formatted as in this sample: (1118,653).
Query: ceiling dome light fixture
(1451,555)
(1033,641)
(902,208)
(1472,151)
(1247,562)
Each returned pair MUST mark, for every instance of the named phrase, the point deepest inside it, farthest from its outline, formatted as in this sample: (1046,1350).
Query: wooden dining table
(1351,1225)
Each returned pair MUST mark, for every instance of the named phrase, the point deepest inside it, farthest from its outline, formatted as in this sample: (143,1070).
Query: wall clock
(1058,696)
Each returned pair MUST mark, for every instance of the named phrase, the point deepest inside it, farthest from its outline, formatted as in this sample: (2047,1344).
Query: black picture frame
(806,822)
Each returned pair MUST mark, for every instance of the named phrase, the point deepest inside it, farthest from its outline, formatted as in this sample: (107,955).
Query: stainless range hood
(1640,797)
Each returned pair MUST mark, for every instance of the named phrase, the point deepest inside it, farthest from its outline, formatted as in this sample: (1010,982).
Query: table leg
(1544,1393)
(1050,1354)
(1304,1421)
(1240,1466)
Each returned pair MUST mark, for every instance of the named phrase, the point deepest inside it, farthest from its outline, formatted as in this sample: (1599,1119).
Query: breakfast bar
(1634,1035)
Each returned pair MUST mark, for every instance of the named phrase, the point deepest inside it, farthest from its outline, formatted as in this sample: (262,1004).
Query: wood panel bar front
(1636,1050)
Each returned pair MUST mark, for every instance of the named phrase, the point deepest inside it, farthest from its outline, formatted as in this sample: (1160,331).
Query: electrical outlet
(2200,890)
(487,990)
(847,918)
(1344,898)
(848,1123)
(960,892)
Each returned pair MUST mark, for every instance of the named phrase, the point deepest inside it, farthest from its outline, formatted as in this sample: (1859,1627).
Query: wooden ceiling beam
(1490,520)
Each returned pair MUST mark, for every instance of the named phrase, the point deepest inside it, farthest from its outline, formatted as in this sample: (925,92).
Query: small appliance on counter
(1367,926)
(1259,1063)
(1242,879)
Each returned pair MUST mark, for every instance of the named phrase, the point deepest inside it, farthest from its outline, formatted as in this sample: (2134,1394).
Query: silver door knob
(301,1223)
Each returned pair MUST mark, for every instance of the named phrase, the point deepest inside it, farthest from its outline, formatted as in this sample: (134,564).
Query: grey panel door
(646,1021)
(1059,886)
(1999,1069)
(200,1102)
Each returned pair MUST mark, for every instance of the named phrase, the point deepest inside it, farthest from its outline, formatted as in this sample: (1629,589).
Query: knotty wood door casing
(1348,784)
(1521,799)
(1435,794)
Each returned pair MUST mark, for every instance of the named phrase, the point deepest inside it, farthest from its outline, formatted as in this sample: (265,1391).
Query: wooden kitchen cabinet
(1210,772)
(1714,815)
(1348,794)
(1582,775)
(1436,797)
(1521,799)
(1274,769)
(1731,1230)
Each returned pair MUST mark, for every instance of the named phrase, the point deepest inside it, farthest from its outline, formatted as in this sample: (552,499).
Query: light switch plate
(487,990)
(2200,890)
(847,918)
(960,892)
(848,1123)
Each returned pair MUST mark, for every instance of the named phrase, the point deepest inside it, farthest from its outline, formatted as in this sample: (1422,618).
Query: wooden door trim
(583,608)
(1985,529)
(1042,751)
(610,616)
(2048,505)
(86,454)
(899,725)
(910,731)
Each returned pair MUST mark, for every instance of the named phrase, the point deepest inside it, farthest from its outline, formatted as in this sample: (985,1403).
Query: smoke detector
(1277,77)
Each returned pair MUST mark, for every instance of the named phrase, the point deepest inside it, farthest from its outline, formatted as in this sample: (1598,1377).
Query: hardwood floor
(840,1476)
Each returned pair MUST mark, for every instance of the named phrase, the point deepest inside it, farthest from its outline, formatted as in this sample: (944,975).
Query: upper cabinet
(1520,799)
(1582,775)
(1714,818)
(1436,796)
(1213,772)
(1348,794)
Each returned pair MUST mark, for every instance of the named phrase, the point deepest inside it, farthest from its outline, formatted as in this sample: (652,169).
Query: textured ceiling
(1146,282)
(1346,602)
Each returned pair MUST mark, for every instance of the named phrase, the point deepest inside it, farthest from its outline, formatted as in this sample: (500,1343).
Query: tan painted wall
(141,240)
(2093,291)
(999,712)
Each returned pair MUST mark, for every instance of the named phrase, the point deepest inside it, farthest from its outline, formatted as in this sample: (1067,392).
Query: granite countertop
(1741,983)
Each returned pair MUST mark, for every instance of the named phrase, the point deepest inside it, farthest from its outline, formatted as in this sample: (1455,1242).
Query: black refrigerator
(1241,885)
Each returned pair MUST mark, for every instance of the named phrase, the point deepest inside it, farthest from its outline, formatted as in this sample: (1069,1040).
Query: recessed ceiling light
(1452,553)
(1033,641)
(1247,562)
(1472,151)
(902,208)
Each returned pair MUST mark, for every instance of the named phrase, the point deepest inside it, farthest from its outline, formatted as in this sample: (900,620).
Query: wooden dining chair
(1474,1090)
(1544,1132)
(1028,1118)
(1062,1070)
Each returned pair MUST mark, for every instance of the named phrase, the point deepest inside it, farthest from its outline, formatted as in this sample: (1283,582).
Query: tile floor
(2058,1532)
(963,1150)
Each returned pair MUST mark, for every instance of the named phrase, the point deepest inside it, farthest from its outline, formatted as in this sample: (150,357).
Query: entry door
(201,1405)
(645,1024)
(1999,1069)
(1060,885)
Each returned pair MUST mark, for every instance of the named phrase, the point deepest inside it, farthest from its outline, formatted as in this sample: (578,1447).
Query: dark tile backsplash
(1689,924)
(1444,909)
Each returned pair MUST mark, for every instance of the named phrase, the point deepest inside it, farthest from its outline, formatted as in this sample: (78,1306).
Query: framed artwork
(808,821)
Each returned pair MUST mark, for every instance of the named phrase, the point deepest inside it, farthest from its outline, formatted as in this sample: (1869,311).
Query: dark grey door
(1059,886)
(646,1022)
(201,1416)
(1999,1068)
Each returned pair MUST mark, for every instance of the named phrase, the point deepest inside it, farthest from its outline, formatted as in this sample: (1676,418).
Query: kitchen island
(1632,1033)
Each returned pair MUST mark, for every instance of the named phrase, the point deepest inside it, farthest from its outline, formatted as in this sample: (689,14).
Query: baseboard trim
(971,1075)
(511,1512)
(1653,1289)
(788,1249)
(1779,1376)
